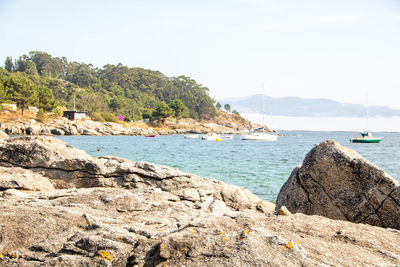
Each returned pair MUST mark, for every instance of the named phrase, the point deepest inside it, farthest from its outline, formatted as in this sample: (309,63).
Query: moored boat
(192,136)
(260,137)
(366,137)
(211,137)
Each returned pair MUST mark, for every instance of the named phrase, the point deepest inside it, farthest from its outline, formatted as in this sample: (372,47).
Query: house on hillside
(9,106)
(74,115)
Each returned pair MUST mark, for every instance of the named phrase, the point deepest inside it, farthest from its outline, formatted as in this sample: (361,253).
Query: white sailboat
(259,134)
(261,137)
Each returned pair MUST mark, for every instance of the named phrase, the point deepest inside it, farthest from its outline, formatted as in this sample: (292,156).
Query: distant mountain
(301,107)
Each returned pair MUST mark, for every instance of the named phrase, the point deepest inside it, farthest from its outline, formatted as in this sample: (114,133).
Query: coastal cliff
(62,207)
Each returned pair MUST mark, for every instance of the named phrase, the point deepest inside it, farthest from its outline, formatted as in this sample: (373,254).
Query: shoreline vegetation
(111,93)
(15,123)
(63,207)
(117,99)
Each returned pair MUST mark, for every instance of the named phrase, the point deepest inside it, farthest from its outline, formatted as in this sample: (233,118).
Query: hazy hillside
(301,107)
(48,82)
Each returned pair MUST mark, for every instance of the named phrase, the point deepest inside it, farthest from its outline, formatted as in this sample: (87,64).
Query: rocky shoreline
(62,207)
(64,126)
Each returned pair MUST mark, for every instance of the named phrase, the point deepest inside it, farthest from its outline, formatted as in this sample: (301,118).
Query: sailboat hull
(260,137)
(365,140)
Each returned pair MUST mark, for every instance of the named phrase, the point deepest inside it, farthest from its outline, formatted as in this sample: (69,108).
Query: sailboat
(366,136)
(258,134)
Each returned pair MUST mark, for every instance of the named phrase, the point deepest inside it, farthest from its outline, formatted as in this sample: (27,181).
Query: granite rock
(336,182)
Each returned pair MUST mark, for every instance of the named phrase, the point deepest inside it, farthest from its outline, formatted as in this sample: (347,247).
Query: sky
(347,51)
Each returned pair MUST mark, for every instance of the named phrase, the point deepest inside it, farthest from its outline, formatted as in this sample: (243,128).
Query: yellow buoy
(217,139)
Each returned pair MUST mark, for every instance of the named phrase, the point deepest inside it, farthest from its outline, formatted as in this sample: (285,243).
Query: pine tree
(21,90)
(45,98)
(8,64)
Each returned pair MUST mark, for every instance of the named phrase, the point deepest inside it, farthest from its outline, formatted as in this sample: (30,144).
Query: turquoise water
(261,167)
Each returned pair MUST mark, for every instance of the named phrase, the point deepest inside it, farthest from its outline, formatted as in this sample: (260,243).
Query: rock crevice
(340,184)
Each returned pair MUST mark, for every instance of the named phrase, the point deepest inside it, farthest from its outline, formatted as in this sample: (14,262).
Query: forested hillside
(49,82)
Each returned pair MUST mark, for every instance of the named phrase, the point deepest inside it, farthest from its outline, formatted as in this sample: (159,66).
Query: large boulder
(336,182)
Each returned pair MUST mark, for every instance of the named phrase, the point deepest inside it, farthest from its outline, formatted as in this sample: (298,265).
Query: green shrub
(96,116)
(40,116)
(146,113)
(59,111)
(127,118)
(109,117)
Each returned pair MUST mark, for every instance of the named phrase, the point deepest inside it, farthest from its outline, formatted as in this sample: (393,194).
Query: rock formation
(3,135)
(336,182)
(64,126)
(75,210)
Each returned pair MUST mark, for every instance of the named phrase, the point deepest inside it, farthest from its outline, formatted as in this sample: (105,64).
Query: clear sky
(314,48)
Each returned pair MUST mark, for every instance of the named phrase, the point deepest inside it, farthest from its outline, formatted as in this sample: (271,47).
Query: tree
(146,113)
(25,65)
(162,112)
(8,64)
(218,105)
(227,107)
(40,116)
(21,90)
(116,103)
(91,103)
(179,108)
(46,99)
(235,112)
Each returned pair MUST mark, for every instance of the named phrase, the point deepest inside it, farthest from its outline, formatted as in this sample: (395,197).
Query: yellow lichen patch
(288,245)
(105,255)
(221,233)
(13,255)
(1,255)
(248,231)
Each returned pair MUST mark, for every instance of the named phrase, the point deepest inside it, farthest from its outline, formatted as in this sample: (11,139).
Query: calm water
(261,167)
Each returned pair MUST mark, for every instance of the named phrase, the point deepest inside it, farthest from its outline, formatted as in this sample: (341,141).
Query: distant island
(300,107)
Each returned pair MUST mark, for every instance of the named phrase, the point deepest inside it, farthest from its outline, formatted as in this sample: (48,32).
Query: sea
(260,166)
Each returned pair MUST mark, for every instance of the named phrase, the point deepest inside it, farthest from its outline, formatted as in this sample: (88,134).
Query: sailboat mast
(366,113)
(263,106)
